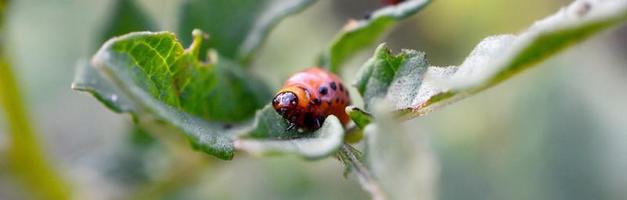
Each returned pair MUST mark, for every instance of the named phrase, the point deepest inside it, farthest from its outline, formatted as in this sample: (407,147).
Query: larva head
(285,102)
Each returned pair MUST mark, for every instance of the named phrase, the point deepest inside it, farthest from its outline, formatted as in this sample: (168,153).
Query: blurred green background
(557,131)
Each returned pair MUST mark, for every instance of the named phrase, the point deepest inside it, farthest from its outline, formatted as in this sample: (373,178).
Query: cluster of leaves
(206,93)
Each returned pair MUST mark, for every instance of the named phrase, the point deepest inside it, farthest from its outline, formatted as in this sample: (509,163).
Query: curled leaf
(269,136)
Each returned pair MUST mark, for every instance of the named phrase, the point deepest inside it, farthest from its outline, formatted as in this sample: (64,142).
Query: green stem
(349,157)
(25,155)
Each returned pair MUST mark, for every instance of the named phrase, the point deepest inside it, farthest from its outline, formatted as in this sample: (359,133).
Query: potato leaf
(151,75)
(124,97)
(414,88)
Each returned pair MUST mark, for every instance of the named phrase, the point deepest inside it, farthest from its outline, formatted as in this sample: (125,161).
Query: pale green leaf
(414,88)
(269,136)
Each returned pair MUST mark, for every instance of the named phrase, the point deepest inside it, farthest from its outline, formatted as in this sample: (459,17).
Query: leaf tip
(359,116)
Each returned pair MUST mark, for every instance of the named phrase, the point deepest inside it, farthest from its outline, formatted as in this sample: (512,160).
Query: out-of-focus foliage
(254,20)
(24,156)
(359,34)
(126,17)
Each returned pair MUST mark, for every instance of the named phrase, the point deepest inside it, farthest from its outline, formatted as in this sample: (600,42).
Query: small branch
(348,157)
(25,156)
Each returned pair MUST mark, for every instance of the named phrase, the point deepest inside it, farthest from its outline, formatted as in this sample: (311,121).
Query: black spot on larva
(323,90)
(333,86)
(341,87)
(367,16)
(316,101)
(310,120)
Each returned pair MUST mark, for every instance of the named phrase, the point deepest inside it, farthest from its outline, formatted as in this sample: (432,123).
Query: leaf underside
(269,136)
(413,88)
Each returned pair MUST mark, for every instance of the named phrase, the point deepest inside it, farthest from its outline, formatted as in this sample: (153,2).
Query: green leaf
(414,88)
(88,79)
(127,17)
(237,28)
(269,136)
(357,35)
(122,95)
(151,75)
(393,78)
(224,92)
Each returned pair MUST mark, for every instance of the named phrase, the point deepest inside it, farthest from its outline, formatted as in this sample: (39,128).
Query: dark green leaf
(357,35)
(269,136)
(414,88)
(150,74)
(224,92)
(237,28)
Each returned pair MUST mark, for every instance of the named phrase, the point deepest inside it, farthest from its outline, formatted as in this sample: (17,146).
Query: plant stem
(25,155)
(365,178)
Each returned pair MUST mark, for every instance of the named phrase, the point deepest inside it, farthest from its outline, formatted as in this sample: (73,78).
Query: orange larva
(308,97)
